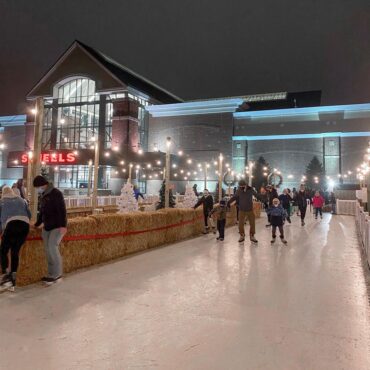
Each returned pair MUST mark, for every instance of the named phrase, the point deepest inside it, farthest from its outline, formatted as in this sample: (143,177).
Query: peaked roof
(122,75)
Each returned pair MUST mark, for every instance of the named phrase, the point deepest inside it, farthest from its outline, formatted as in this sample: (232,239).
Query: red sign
(53,158)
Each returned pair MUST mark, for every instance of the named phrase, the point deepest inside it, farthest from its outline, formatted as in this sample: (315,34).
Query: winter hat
(39,181)
(242,183)
(8,192)
(275,201)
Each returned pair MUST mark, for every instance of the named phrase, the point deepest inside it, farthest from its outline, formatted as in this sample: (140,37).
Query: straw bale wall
(98,242)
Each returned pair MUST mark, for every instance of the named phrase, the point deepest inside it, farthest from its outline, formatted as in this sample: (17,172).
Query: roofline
(119,65)
(347,110)
(10,121)
(75,44)
(196,107)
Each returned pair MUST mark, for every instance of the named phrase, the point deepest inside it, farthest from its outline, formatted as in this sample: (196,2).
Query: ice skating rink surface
(203,304)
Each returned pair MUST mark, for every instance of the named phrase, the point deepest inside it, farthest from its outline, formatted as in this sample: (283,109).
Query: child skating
(318,202)
(277,216)
(219,212)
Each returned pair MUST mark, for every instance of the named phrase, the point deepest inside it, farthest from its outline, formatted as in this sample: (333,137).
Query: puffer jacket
(318,202)
(277,215)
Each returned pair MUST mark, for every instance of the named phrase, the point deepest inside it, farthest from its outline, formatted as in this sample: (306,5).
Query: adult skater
(301,201)
(285,200)
(244,197)
(53,217)
(207,201)
(15,225)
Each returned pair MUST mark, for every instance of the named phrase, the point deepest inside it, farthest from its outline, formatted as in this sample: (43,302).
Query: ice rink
(203,304)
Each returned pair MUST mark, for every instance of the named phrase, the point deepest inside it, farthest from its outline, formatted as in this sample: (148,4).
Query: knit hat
(8,192)
(242,183)
(39,181)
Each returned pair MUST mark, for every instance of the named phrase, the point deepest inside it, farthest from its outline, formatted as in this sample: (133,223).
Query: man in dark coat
(53,216)
(244,198)
(301,201)
(207,201)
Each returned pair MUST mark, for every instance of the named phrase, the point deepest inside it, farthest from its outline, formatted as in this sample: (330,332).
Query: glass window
(77,90)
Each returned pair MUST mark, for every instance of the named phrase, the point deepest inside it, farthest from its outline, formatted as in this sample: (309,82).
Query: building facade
(89,98)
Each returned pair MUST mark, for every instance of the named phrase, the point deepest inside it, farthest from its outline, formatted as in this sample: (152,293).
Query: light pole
(167,183)
(29,169)
(250,169)
(96,170)
(129,173)
(220,159)
(206,166)
(89,179)
(35,167)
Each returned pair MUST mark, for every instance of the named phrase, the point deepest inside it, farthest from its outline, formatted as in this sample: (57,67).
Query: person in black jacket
(53,216)
(301,201)
(207,202)
(285,199)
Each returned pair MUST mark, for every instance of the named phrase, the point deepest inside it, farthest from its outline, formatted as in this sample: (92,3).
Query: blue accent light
(347,110)
(196,107)
(302,136)
(7,121)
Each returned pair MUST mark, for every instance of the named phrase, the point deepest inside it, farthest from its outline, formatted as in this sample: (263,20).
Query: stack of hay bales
(93,239)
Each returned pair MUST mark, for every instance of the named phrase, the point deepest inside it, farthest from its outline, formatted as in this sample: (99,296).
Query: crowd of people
(15,224)
(279,208)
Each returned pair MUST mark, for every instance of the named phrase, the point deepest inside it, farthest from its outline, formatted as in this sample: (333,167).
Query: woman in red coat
(318,202)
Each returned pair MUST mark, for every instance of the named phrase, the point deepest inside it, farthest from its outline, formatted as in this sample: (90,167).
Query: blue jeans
(52,240)
(317,211)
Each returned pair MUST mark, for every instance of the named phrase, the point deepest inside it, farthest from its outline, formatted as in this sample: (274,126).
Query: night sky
(196,49)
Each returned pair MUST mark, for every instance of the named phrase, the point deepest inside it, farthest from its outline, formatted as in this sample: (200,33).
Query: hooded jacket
(52,211)
(277,215)
(318,201)
(13,207)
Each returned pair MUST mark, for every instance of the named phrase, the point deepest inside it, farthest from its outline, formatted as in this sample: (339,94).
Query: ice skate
(241,239)
(284,241)
(7,283)
(253,239)
(50,281)
(273,240)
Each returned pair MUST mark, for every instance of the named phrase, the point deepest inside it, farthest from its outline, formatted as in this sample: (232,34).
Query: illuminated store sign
(53,158)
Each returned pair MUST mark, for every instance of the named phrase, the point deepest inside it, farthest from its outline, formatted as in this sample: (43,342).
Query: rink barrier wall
(363,229)
(101,238)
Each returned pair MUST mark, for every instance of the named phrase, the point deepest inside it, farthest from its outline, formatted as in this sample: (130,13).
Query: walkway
(203,305)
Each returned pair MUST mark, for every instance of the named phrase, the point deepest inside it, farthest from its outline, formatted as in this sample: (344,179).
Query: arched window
(77,90)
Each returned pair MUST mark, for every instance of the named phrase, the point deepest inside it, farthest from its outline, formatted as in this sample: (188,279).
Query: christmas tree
(127,202)
(190,198)
(315,175)
(260,168)
(162,192)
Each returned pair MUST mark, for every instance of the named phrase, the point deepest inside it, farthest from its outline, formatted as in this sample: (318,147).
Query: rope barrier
(124,233)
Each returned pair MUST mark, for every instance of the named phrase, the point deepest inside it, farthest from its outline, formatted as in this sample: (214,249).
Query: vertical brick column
(125,125)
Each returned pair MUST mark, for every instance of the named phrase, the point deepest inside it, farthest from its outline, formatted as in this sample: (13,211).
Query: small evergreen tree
(162,195)
(315,170)
(259,179)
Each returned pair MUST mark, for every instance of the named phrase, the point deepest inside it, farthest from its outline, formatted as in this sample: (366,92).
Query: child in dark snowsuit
(277,216)
(220,212)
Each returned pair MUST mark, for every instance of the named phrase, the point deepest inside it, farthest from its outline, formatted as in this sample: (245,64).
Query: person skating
(333,202)
(285,200)
(220,213)
(271,195)
(277,216)
(301,201)
(15,225)
(207,201)
(244,197)
(318,201)
(53,216)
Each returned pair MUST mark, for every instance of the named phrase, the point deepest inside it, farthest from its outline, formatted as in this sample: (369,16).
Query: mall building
(88,96)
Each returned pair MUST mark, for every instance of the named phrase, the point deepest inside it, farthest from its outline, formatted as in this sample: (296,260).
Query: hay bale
(157,220)
(80,253)
(138,221)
